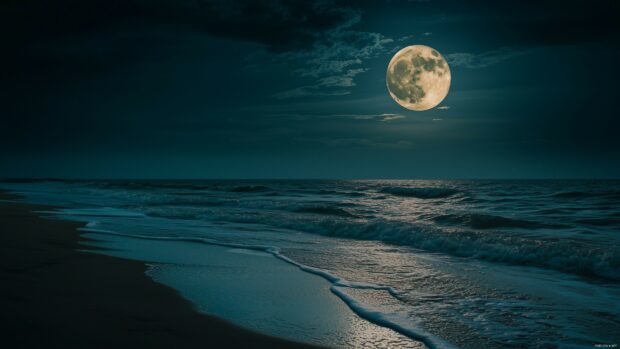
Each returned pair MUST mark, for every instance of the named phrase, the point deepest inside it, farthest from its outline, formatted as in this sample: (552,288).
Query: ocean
(465,264)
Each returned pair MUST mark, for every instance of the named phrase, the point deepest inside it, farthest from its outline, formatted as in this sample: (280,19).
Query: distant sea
(471,264)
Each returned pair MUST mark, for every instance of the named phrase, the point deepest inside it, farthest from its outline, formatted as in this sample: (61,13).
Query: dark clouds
(334,61)
(66,39)
(514,22)
(73,37)
(484,59)
(278,24)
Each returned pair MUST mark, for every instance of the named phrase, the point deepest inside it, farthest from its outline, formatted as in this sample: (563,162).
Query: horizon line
(65,179)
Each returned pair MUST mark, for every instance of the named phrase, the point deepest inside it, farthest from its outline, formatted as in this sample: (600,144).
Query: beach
(333,263)
(54,294)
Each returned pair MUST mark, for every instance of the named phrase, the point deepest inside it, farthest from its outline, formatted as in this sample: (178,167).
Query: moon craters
(418,77)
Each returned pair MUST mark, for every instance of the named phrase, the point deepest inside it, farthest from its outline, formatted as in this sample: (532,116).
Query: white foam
(398,324)
(401,326)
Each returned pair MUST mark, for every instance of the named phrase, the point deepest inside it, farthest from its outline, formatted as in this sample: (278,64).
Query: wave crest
(484,221)
(611,194)
(558,254)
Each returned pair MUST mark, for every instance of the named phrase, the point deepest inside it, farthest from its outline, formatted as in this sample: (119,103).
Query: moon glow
(418,77)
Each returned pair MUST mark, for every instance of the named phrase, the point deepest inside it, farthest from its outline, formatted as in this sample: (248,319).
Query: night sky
(296,89)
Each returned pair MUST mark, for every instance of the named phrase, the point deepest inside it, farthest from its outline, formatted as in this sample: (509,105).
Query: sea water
(471,264)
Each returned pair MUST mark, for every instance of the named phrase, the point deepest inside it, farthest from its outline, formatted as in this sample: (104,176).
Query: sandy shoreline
(51,295)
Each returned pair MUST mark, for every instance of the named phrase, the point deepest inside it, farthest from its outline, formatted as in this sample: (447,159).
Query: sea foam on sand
(255,290)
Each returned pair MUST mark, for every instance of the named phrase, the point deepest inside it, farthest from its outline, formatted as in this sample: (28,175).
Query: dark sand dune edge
(54,296)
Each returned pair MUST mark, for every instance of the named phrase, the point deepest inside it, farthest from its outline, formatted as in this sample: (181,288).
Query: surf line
(337,284)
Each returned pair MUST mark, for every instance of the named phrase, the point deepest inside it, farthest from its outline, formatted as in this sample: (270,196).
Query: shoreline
(53,295)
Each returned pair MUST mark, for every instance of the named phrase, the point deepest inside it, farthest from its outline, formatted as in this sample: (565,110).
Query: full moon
(418,77)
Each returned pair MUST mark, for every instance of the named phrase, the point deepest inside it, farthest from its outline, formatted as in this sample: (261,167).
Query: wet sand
(52,295)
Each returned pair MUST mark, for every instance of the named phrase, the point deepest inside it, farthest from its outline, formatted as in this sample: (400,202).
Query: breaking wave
(558,254)
(612,194)
(484,221)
